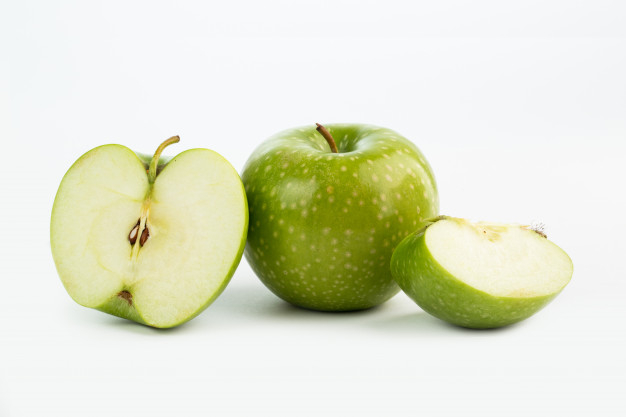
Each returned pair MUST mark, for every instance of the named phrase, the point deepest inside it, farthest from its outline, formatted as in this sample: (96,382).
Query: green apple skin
(323,225)
(442,295)
(115,305)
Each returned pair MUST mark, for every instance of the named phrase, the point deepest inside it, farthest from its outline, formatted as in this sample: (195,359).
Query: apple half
(151,240)
(480,275)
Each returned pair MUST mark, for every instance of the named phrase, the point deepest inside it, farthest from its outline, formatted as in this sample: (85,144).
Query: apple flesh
(151,243)
(323,224)
(480,275)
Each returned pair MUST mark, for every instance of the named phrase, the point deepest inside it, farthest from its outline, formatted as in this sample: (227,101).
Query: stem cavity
(329,138)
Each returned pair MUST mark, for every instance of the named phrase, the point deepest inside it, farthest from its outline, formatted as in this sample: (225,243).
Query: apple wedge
(480,275)
(151,242)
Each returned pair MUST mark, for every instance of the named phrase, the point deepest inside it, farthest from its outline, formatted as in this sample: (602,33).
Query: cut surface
(196,214)
(498,259)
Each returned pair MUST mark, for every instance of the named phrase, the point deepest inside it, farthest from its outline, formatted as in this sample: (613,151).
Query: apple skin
(442,295)
(323,225)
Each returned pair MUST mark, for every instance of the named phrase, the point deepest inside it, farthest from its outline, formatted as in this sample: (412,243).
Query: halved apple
(151,242)
(480,275)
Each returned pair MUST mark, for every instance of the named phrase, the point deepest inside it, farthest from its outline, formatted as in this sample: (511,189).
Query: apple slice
(480,275)
(156,249)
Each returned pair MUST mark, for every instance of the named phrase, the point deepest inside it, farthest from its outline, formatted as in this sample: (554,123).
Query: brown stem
(328,137)
(152,170)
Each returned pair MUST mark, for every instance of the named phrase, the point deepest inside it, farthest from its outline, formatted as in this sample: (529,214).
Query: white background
(520,108)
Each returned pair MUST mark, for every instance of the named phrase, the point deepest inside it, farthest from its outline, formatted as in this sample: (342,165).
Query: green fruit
(480,275)
(151,243)
(323,224)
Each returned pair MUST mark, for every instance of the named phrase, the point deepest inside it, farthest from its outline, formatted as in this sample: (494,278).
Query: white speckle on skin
(344,168)
(388,178)
(326,230)
(330,189)
(374,177)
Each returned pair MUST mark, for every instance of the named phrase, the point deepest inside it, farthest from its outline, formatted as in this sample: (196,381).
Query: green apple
(327,208)
(151,240)
(480,275)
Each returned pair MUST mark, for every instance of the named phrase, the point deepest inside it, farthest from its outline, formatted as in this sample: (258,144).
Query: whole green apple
(480,275)
(154,240)
(327,208)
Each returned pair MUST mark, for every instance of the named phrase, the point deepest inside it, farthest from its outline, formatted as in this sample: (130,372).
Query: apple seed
(144,236)
(132,237)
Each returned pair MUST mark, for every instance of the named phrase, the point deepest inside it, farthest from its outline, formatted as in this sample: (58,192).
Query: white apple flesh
(154,249)
(480,275)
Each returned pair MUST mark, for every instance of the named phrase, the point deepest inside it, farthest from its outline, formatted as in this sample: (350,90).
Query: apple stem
(152,171)
(329,138)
